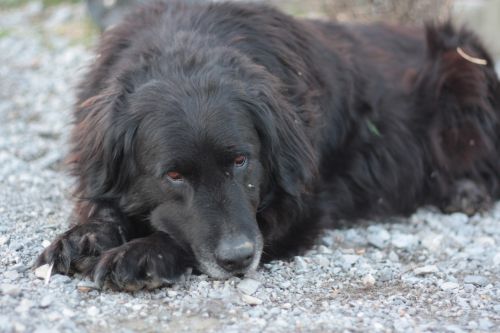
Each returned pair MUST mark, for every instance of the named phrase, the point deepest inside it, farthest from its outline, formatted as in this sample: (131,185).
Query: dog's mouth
(208,264)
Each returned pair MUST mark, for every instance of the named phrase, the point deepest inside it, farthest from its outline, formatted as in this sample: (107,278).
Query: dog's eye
(240,161)
(175,176)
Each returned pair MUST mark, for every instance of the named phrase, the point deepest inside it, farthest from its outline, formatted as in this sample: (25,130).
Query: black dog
(209,136)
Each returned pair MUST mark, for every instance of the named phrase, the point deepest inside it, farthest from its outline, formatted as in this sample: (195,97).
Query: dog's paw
(78,249)
(468,197)
(143,263)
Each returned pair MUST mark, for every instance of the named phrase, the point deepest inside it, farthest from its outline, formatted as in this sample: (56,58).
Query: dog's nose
(235,254)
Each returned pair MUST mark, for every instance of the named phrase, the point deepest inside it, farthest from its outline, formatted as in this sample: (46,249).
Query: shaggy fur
(214,136)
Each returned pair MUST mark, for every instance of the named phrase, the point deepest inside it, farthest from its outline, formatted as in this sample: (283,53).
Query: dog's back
(435,88)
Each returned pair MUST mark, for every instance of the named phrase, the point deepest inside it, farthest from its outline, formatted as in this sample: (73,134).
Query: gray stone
(403,241)
(469,287)
(485,324)
(300,264)
(248,286)
(11,275)
(61,279)
(94,311)
(285,284)
(86,286)
(449,286)
(378,236)
(393,256)
(10,289)
(4,240)
(325,250)
(24,306)
(350,259)
(385,274)
(429,269)
(476,280)
(250,299)
(43,272)
(322,261)
(46,301)
(6,324)
(432,241)
(368,280)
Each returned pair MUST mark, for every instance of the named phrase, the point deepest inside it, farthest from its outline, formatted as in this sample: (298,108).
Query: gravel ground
(430,272)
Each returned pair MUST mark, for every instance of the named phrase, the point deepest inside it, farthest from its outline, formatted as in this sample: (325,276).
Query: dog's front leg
(147,262)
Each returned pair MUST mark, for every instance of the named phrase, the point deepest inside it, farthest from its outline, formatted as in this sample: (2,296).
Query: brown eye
(240,161)
(175,176)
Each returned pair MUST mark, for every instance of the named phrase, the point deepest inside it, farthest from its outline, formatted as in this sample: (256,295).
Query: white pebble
(426,270)
(449,285)
(248,286)
(368,280)
(251,300)
(403,241)
(93,311)
(10,289)
(46,301)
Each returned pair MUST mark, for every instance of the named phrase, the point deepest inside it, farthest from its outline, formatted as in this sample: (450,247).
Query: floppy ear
(287,151)
(102,155)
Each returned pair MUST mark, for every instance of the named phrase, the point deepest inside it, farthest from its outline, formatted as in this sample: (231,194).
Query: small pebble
(60,279)
(300,264)
(476,280)
(46,301)
(86,286)
(68,313)
(385,274)
(350,259)
(378,237)
(323,249)
(496,259)
(449,285)
(322,261)
(10,289)
(403,241)
(248,286)
(368,280)
(42,271)
(4,239)
(426,270)
(485,324)
(393,256)
(24,306)
(93,311)
(251,300)
(11,275)
(285,285)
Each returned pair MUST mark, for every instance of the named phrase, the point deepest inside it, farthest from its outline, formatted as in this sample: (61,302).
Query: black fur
(336,122)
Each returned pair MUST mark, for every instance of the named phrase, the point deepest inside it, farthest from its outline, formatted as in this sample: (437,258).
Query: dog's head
(197,142)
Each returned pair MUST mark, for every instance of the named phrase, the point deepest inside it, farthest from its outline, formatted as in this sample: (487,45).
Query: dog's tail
(458,95)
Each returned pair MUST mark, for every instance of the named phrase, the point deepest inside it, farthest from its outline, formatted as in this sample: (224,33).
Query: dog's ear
(102,155)
(286,151)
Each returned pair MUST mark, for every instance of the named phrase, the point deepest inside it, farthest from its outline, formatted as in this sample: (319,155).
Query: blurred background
(82,20)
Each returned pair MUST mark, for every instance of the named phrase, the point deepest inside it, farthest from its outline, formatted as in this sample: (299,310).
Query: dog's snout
(235,254)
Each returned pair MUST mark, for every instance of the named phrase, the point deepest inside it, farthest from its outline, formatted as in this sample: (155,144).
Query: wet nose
(235,254)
